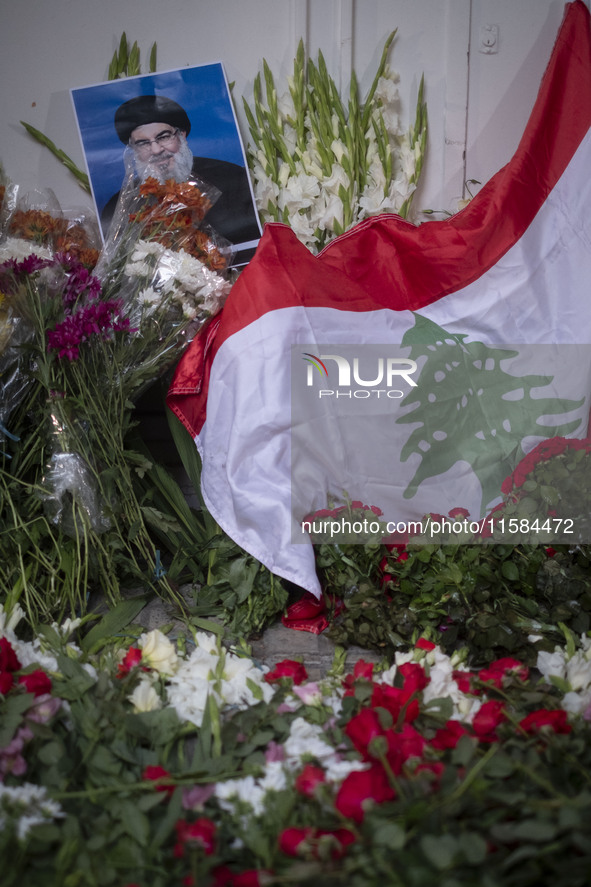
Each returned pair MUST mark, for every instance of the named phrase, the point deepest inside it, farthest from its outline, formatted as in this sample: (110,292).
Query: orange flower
(32,224)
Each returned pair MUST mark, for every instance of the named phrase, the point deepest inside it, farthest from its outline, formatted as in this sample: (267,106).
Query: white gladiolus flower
(552,664)
(576,703)
(158,652)
(578,671)
(10,620)
(333,212)
(306,739)
(299,193)
(387,90)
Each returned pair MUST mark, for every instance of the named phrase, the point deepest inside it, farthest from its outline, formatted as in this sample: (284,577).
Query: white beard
(179,170)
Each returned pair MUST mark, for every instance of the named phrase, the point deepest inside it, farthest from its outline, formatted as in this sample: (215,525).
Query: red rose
(160,776)
(487,719)
(288,668)
(435,769)
(449,735)
(308,779)
(424,644)
(132,658)
(537,720)
(377,511)
(550,552)
(307,841)
(362,728)
(361,789)
(292,839)
(414,676)
(36,682)
(459,512)
(250,878)
(403,745)
(362,670)
(8,658)
(393,699)
(200,833)
(496,671)
(6,682)
(464,681)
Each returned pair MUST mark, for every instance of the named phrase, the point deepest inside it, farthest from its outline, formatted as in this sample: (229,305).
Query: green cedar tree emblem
(471,410)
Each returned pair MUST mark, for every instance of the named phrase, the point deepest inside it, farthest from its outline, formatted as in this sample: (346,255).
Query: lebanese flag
(486,317)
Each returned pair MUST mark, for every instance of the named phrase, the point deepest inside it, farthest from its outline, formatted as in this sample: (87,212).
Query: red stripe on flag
(385,262)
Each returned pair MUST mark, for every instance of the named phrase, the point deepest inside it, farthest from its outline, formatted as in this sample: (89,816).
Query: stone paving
(276,643)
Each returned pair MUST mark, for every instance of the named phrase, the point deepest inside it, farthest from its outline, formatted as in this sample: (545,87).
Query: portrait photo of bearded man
(154,130)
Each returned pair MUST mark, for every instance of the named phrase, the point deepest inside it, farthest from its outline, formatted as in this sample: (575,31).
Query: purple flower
(43,709)
(195,798)
(80,281)
(97,319)
(274,752)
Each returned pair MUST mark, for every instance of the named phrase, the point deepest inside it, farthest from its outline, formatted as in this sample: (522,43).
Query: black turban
(149,109)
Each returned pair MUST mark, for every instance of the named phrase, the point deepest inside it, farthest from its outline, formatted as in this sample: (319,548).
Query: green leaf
(390,835)
(61,155)
(51,753)
(13,708)
(76,681)
(510,571)
(135,823)
(441,850)
(113,622)
(474,847)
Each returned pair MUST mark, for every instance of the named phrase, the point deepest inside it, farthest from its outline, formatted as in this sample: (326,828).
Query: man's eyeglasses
(164,139)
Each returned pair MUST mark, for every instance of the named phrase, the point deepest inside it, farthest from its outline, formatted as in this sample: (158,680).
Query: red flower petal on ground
(310,777)
(557,720)
(37,682)
(360,789)
(290,669)
(8,659)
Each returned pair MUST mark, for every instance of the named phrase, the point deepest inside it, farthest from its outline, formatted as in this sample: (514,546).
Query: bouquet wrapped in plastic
(95,338)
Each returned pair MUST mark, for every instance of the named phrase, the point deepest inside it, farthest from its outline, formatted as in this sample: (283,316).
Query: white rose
(158,652)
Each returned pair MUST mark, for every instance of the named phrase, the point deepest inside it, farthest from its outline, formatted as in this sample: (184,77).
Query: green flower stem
(543,783)
(61,155)
(472,774)
(142,786)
